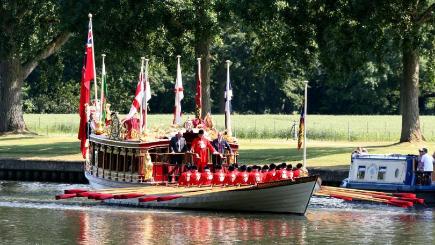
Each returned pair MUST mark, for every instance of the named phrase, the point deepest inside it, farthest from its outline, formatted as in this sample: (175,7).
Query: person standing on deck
(426,166)
(200,145)
(178,145)
(220,145)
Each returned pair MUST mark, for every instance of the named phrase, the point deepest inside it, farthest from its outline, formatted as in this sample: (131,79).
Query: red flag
(198,101)
(87,76)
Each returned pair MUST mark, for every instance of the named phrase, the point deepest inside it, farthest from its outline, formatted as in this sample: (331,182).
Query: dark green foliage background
(348,53)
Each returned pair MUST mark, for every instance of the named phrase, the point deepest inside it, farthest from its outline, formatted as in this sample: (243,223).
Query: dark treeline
(261,82)
(360,57)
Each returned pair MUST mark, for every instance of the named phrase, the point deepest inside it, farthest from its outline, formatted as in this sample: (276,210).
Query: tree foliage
(350,51)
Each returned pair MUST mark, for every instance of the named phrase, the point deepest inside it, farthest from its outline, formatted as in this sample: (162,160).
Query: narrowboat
(392,173)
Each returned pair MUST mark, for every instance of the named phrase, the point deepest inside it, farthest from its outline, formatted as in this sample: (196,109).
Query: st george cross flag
(142,96)
(198,100)
(228,98)
(301,129)
(138,98)
(179,95)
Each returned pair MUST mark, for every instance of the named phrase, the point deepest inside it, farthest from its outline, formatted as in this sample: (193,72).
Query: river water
(30,215)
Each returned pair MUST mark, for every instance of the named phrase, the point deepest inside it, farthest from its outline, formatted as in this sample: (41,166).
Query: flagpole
(93,60)
(103,70)
(177,109)
(227,106)
(142,88)
(305,124)
(199,109)
(144,95)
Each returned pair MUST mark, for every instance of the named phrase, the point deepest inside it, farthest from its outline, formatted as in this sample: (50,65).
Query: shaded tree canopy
(352,52)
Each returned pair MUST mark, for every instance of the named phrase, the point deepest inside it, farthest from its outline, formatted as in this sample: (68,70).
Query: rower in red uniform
(282,172)
(270,176)
(207,177)
(196,176)
(255,176)
(186,177)
(199,147)
(243,176)
(231,176)
(290,171)
(264,171)
(297,172)
(219,176)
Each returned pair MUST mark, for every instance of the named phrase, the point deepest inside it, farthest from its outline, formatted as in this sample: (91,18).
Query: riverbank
(73,171)
(58,158)
(329,154)
(42,170)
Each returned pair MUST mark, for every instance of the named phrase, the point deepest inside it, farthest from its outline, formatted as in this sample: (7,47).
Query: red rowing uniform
(255,177)
(296,173)
(207,177)
(185,178)
(270,176)
(231,178)
(243,178)
(283,174)
(219,178)
(196,177)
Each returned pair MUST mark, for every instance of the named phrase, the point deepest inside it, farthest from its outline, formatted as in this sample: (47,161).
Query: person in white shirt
(426,166)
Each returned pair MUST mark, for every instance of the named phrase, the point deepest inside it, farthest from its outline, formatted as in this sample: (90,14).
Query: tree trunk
(409,93)
(203,51)
(11,113)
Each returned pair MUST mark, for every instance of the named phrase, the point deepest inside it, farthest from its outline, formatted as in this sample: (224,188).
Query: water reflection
(179,228)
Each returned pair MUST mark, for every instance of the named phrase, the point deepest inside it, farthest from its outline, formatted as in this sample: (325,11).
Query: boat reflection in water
(319,226)
(182,228)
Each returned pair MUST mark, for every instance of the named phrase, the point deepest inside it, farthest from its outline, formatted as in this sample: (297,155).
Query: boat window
(361,172)
(396,173)
(381,173)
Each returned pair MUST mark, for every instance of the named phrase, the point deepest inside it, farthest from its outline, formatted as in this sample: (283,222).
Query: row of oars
(145,194)
(396,199)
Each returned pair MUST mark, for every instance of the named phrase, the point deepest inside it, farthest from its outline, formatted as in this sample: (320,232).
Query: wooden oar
(215,190)
(123,193)
(364,197)
(385,195)
(408,195)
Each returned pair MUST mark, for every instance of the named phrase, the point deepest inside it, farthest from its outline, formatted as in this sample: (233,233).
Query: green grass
(319,127)
(253,151)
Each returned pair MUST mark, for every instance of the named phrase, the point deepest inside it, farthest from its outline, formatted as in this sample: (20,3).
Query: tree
(200,22)
(28,36)
(352,34)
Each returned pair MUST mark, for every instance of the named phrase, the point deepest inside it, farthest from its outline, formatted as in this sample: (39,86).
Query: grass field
(319,127)
(320,153)
(262,138)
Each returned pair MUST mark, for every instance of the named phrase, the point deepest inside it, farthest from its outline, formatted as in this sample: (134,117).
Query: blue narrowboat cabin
(392,173)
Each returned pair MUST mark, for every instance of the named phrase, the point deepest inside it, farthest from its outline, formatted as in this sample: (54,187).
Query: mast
(141,78)
(305,125)
(93,61)
(228,97)
(103,95)
(147,93)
